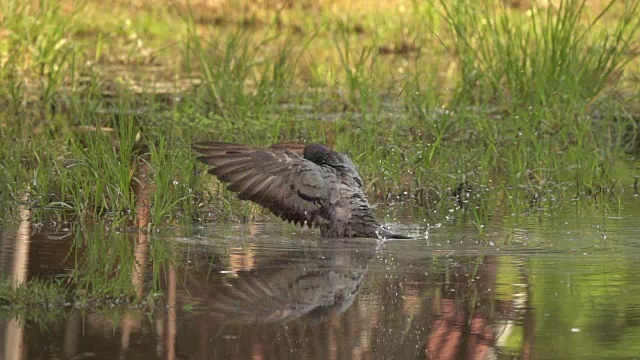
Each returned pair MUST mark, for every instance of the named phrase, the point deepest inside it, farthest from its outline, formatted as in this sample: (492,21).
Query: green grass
(524,103)
(556,60)
(426,98)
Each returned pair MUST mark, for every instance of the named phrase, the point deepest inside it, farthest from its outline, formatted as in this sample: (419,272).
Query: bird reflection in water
(308,284)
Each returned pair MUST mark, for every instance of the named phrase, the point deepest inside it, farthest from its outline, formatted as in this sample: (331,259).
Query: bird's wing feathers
(277,178)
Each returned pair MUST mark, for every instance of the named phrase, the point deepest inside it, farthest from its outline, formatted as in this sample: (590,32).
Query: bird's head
(322,155)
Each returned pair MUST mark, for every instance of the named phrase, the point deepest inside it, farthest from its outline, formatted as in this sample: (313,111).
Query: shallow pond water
(541,286)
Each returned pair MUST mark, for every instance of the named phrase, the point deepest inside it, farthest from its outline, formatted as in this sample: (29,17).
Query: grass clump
(536,84)
(545,57)
(36,51)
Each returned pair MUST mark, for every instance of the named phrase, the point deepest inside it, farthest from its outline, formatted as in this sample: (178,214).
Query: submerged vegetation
(443,104)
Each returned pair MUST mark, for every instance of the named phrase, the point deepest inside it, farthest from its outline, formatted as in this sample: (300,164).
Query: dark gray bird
(310,184)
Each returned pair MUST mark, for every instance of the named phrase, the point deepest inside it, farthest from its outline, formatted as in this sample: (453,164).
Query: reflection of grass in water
(440,97)
(40,301)
(102,277)
(106,263)
(45,303)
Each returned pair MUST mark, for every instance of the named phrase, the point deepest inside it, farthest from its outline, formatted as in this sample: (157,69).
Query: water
(556,286)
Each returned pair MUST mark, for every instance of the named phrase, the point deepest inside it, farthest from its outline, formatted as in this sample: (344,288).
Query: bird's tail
(385,233)
(365,224)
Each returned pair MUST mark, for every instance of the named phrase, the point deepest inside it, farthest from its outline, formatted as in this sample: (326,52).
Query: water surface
(535,287)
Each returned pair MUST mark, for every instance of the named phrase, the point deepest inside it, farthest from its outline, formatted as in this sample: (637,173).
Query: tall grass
(174,181)
(549,57)
(38,51)
(100,172)
(534,80)
(242,73)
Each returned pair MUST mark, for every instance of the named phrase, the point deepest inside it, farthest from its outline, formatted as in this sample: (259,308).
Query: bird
(313,185)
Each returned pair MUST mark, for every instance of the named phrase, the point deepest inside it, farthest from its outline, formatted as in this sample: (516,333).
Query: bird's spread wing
(277,178)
